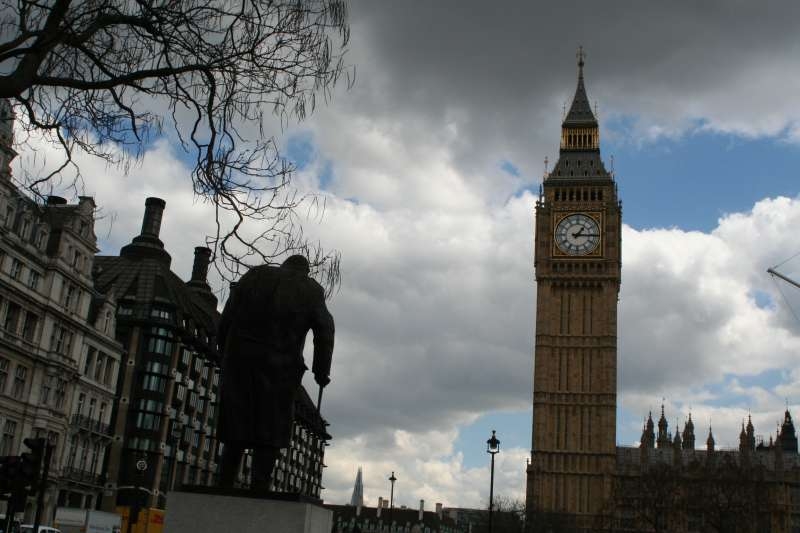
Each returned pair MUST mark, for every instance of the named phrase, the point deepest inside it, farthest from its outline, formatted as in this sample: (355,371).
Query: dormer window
(160,313)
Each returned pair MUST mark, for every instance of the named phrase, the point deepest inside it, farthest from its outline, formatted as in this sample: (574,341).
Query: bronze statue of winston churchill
(261,334)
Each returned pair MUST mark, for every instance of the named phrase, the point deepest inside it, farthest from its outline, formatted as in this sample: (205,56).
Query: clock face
(577,234)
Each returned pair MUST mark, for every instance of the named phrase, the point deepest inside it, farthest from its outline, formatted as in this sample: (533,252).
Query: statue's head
(298,263)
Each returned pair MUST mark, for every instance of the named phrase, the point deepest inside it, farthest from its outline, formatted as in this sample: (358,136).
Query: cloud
(436,310)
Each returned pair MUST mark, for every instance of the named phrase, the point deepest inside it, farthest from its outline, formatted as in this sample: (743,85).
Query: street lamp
(492,447)
(391,496)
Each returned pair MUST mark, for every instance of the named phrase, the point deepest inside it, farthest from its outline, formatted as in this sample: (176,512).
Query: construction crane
(784,278)
(775,274)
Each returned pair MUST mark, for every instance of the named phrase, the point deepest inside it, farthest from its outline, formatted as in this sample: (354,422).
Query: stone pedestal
(215,511)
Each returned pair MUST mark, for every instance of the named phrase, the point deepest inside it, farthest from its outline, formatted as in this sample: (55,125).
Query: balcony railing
(83,476)
(90,424)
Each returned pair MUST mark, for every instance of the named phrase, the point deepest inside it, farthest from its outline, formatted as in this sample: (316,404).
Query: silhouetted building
(59,359)
(380,519)
(168,386)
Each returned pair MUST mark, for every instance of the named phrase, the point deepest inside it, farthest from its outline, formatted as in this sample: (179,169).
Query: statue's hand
(322,381)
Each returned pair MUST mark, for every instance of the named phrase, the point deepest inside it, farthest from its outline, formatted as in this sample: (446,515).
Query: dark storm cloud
(499,73)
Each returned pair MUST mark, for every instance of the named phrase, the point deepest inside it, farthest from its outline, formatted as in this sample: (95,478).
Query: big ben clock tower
(577,261)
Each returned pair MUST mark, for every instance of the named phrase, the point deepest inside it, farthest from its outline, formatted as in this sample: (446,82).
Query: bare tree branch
(100,77)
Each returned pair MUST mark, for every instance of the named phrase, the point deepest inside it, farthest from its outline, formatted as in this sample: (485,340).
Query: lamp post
(492,448)
(391,497)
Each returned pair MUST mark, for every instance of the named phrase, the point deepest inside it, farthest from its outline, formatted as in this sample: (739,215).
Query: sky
(430,165)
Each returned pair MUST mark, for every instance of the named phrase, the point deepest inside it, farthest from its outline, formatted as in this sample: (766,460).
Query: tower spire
(357,499)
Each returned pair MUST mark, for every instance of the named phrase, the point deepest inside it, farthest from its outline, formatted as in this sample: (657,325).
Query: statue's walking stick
(319,398)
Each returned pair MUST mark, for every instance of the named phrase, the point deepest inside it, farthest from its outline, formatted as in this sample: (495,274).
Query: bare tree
(103,77)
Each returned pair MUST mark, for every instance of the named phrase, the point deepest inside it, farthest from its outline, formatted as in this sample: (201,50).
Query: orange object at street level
(151,520)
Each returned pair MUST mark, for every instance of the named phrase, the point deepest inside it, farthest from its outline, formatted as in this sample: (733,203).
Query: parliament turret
(788,437)
(663,440)
(648,439)
(688,434)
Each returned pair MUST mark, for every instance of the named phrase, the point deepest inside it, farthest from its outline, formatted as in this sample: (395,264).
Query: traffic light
(10,470)
(31,468)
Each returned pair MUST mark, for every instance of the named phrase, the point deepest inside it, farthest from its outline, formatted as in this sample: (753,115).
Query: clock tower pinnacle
(577,262)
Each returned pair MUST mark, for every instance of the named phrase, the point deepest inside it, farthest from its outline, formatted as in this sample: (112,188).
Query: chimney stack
(385,504)
(153,211)
(199,282)
(421,510)
(380,506)
(147,243)
(439,510)
(202,258)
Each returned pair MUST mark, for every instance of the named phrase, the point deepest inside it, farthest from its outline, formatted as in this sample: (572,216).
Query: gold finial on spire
(581,55)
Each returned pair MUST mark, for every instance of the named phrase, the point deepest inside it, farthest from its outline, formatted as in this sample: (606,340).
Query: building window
(163,314)
(12,317)
(154,383)
(186,357)
(108,373)
(4,364)
(29,326)
(92,405)
(61,393)
(87,365)
(101,416)
(79,406)
(124,310)
(20,375)
(84,454)
(107,322)
(140,443)
(9,216)
(33,279)
(156,367)
(95,457)
(9,434)
(71,296)
(40,239)
(47,388)
(100,366)
(16,268)
(61,340)
(160,345)
(148,421)
(24,227)
(73,451)
(52,438)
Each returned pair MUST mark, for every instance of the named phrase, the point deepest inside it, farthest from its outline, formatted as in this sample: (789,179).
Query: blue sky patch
(692,181)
